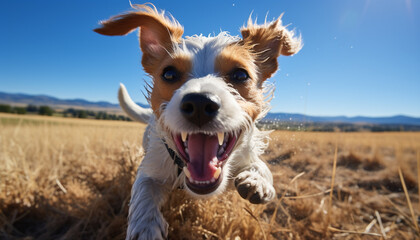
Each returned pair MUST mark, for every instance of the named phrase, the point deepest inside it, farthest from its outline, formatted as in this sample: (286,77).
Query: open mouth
(205,155)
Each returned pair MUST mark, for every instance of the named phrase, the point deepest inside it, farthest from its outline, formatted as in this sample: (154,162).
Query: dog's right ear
(268,41)
(157,32)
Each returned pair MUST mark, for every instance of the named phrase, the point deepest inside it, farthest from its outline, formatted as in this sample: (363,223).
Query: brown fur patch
(163,91)
(238,56)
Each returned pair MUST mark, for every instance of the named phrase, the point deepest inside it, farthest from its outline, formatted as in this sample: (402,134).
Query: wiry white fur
(204,51)
(157,173)
(155,178)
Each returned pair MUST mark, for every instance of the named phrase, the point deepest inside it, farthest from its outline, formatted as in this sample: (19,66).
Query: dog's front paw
(253,187)
(153,230)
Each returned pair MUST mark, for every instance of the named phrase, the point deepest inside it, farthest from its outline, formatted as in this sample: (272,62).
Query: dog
(206,96)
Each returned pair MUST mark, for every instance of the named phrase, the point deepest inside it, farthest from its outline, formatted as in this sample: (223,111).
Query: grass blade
(408,200)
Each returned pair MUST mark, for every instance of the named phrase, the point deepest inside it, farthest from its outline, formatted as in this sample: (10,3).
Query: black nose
(200,108)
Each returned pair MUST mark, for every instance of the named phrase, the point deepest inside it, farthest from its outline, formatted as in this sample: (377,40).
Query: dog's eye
(239,75)
(170,74)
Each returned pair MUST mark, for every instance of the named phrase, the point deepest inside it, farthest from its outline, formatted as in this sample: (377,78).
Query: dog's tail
(133,110)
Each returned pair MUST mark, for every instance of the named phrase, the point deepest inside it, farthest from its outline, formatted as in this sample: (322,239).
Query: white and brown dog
(207,94)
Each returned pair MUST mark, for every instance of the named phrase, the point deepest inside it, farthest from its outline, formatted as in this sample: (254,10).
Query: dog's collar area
(177,160)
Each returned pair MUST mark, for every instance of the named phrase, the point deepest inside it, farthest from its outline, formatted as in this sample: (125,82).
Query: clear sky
(361,57)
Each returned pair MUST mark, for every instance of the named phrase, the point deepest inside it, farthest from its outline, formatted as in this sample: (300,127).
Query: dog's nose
(200,108)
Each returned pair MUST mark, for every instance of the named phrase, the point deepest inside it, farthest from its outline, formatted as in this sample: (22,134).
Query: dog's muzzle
(204,151)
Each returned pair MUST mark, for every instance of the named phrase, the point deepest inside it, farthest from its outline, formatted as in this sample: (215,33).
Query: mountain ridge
(295,117)
(41,99)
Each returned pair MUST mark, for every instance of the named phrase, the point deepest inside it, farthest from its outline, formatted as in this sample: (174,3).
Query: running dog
(207,94)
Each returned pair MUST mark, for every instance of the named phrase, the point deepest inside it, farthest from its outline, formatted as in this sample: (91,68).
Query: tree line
(70,112)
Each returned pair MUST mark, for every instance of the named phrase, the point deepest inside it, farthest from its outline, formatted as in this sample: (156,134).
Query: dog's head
(207,92)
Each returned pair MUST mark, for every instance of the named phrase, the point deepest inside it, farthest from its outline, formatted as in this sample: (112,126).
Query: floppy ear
(157,33)
(269,41)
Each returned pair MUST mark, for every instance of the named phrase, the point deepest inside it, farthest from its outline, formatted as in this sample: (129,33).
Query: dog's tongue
(202,149)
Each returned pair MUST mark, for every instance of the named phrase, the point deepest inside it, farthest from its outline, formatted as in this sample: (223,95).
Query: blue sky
(361,57)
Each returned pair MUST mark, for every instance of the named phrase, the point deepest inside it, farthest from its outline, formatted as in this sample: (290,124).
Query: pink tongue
(202,149)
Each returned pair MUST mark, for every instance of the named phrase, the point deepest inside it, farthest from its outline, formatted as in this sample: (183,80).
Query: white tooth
(213,180)
(217,173)
(187,173)
(184,136)
(221,137)
(207,182)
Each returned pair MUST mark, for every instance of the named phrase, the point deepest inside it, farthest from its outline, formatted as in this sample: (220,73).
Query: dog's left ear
(157,32)
(269,41)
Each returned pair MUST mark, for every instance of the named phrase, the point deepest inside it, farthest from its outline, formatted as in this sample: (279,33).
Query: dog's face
(207,92)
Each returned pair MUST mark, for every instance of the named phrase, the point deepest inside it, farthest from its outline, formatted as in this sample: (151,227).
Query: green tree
(45,110)
(32,108)
(82,114)
(19,110)
(5,108)
(73,112)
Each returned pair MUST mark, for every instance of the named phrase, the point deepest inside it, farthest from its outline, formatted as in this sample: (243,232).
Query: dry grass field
(71,179)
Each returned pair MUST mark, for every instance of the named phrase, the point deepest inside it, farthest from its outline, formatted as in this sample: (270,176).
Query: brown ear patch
(158,33)
(269,41)
(143,16)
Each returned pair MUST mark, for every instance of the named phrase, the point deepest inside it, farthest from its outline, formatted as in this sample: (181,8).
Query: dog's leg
(145,221)
(254,180)
(256,183)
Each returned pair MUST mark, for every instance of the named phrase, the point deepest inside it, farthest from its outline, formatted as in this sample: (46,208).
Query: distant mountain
(290,117)
(19,98)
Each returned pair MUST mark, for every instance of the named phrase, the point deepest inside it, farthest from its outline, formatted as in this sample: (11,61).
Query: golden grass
(418,175)
(332,187)
(407,196)
(71,179)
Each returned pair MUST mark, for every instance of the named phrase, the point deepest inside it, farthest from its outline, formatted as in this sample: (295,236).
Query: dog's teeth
(187,172)
(184,136)
(221,137)
(213,180)
(217,173)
